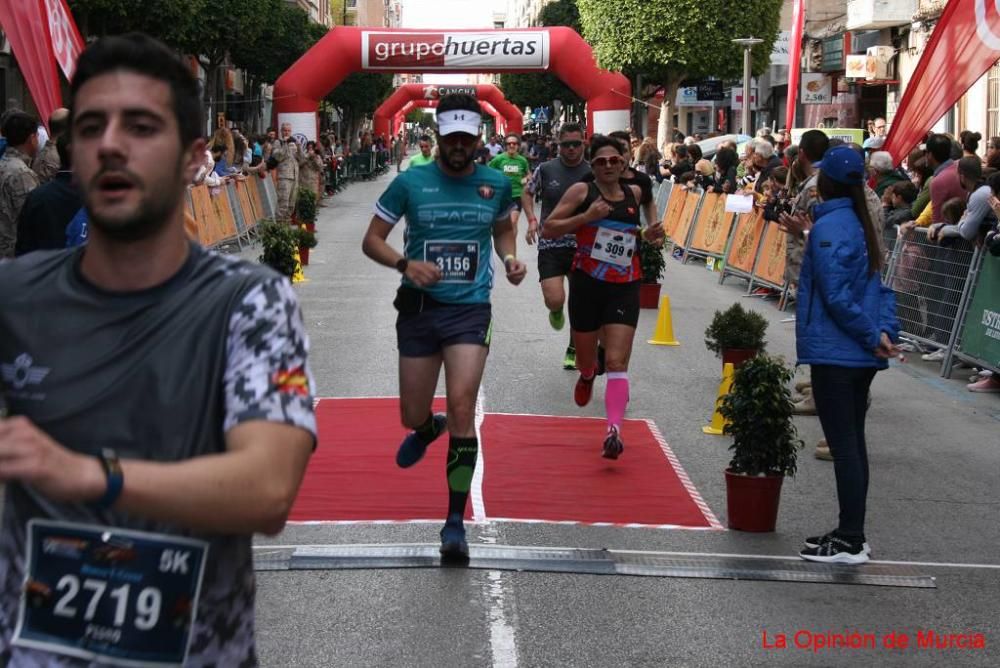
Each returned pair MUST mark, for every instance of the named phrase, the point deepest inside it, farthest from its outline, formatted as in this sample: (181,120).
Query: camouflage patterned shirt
(161,375)
(16,181)
(46,163)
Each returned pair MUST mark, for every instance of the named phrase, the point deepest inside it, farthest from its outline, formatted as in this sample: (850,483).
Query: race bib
(613,246)
(457,260)
(126,598)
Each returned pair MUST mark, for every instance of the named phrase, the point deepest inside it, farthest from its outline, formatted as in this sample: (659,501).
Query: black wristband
(402,264)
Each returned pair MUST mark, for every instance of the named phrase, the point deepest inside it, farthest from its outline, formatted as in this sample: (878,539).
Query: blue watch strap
(115,478)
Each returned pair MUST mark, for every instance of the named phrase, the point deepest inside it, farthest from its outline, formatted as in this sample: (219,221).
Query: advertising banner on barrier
(426,51)
(713,226)
(981,337)
(672,215)
(686,219)
(771,262)
(746,239)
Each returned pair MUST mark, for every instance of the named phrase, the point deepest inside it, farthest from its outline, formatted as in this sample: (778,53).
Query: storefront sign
(779,55)
(848,135)
(816,88)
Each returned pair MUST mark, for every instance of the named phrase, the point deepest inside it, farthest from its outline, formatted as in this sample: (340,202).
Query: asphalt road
(934,498)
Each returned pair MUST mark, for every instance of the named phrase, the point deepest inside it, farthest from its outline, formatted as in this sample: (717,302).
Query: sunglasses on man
(572,143)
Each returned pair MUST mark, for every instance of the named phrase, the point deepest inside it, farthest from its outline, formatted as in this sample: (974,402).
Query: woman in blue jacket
(845,327)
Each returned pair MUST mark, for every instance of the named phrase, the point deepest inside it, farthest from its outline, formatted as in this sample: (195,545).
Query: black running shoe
(412,449)
(814,542)
(834,549)
(613,445)
(454,547)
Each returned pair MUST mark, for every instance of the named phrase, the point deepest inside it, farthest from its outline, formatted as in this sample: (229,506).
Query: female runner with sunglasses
(604,283)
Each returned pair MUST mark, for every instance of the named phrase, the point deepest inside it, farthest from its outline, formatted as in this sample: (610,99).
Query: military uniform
(309,174)
(46,163)
(16,181)
(289,156)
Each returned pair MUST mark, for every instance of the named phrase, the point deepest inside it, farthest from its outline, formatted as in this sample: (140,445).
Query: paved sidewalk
(934,497)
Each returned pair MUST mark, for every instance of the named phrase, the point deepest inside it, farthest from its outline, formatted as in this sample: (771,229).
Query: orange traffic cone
(718,422)
(664,334)
(298,277)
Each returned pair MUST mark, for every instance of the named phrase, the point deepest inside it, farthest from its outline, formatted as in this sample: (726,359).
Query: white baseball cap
(458,120)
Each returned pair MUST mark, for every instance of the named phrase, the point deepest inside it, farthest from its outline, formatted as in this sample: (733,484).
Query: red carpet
(550,468)
(536,468)
(353,473)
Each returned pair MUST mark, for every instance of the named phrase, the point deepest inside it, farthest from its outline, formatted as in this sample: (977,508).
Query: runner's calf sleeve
(426,430)
(462,454)
(616,397)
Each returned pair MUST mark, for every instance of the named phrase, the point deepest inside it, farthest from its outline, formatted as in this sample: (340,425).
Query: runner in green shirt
(425,157)
(515,167)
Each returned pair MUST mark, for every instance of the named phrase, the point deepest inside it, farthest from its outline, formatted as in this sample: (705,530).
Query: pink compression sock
(616,397)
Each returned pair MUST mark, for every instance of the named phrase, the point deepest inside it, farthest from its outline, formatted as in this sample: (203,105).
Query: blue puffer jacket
(842,307)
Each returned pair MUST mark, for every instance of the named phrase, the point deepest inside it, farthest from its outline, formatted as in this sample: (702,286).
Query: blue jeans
(841,395)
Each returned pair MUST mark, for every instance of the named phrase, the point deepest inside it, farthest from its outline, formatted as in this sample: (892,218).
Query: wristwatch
(402,264)
(115,478)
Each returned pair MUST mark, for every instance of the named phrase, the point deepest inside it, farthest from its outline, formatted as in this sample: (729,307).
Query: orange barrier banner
(686,218)
(746,240)
(204,213)
(672,214)
(771,262)
(712,229)
(224,215)
(243,194)
(260,213)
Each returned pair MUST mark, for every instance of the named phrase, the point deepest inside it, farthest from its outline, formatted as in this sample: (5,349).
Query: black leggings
(841,395)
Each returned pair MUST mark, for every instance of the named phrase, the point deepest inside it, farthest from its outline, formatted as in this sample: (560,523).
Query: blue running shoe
(453,544)
(412,449)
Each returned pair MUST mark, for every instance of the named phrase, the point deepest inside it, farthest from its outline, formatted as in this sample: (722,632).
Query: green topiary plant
(758,411)
(307,238)
(736,328)
(305,206)
(652,261)
(279,244)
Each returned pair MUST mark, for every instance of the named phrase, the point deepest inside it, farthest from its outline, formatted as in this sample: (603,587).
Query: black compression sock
(461,464)
(426,431)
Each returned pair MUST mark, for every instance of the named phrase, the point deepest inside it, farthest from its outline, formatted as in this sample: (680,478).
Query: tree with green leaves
(669,42)
(540,89)
(358,95)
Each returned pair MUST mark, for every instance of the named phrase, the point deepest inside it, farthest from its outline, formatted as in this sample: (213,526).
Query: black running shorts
(593,303)
(553,262)
(426,332)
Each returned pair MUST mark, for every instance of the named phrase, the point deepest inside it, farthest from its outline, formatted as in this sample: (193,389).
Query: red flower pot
(752,501)
(649,295)
(737,356)
(303,256)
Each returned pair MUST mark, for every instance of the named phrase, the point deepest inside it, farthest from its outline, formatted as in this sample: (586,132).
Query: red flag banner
(964,45)
(67,44)
(27,27)
(794,61)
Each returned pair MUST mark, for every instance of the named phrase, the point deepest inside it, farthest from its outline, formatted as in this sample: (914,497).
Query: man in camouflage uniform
(47,163)
(289,157)
(16,178)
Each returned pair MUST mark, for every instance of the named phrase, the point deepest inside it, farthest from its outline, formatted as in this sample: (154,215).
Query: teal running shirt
(449,221)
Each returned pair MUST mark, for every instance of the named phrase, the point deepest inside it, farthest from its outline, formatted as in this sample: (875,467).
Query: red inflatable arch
(487,94)
(345,50)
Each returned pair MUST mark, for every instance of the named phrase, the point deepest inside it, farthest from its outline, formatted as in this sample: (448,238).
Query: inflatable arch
(485,93)
(349,49)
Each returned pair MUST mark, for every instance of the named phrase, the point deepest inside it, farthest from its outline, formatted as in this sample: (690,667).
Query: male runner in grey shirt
(555,256)
(160,401)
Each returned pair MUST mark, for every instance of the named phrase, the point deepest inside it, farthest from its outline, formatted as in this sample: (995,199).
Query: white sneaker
(936,356)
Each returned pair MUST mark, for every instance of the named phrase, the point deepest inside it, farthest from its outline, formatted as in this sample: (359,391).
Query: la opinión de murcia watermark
(821,641)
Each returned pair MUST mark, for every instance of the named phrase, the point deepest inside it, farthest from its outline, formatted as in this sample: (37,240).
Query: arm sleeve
(267,373)
(21,184)
(391,206)
(975,215)
(926,216)
(506,202)
(833,277)
(923,199)
(887,320)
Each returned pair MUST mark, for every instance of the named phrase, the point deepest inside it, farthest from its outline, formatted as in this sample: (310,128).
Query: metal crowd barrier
(931,283)
(977,340)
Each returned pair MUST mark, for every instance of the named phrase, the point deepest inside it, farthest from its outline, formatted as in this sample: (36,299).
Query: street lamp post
(747,43)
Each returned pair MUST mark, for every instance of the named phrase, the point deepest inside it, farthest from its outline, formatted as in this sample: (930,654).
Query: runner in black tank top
(604,284)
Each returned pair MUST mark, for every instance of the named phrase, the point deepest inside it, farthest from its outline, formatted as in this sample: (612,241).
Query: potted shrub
(278,244)
(305,216)
(653,264)
(758,414)
(736,334)
(306,240)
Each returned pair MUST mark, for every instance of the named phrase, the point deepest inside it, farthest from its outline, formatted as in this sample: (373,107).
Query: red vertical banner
(66,42)
(964,45)
(794,61)
(27,27)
